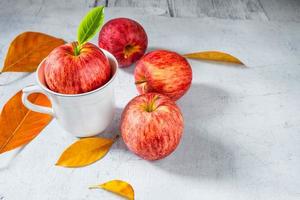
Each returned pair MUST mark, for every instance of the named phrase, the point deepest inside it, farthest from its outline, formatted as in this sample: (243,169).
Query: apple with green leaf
(152,126)
(79,67)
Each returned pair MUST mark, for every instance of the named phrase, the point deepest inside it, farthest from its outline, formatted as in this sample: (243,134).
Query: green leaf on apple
(90,25)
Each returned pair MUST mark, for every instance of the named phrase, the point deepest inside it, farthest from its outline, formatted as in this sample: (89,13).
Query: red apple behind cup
(68,73)
(151,126)
(164,72)
(125,38)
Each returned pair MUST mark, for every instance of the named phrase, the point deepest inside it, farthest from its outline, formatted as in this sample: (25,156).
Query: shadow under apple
(200,153)
(114,129)
(129,69)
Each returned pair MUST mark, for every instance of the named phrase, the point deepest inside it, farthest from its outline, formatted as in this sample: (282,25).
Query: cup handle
(35,89)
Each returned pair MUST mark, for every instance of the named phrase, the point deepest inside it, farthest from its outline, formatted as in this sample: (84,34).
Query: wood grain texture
(278,10)
(153,7)
(225,9)
(137,3)
(282,10)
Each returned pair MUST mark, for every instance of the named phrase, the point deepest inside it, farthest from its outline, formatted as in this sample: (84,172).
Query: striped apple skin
(152,135)
(69,74)
(164,72)
(119,33)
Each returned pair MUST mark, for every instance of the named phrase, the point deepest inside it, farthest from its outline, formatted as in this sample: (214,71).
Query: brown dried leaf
(27,50)
(118,187)
(18,125)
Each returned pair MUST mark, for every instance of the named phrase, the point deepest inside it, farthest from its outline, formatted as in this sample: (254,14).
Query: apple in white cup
(70,72)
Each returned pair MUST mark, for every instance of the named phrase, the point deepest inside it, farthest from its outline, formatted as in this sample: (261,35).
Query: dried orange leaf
(214,56)
(18,125)
(84,152)
(118,187)
(27,50)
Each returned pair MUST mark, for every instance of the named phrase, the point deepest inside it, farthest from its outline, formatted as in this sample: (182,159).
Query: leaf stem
(94,187)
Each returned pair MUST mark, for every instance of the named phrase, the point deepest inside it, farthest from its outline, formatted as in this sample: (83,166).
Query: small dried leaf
(214,56)
(85,152)
(27,50)
(118,187)
(18,125)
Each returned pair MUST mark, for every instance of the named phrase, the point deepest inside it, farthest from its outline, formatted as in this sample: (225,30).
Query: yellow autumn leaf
(27,50)
(214,56)
(118,187)
(85,152)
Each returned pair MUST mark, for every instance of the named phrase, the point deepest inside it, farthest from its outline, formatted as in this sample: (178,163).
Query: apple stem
(151,106)
(116,137)
(76,49)
(141,81)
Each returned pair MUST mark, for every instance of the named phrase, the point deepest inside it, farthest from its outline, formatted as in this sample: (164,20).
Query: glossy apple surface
(125,38)
(164,72)
(152,126)
(68,73)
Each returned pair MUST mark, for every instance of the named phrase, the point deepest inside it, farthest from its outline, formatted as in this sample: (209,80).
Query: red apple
(164,72)
(68,73)
(125,39)
(151,126)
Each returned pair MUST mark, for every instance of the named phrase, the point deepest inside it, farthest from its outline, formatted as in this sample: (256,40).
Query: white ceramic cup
(82,115)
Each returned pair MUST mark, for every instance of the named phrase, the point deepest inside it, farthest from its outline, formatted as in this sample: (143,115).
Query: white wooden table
(242,125)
